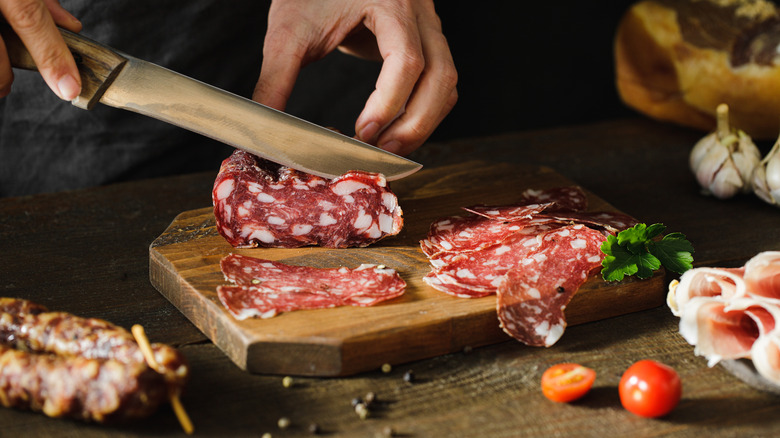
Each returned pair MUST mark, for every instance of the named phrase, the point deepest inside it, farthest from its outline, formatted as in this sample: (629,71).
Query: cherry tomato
(650,389)
(567,382)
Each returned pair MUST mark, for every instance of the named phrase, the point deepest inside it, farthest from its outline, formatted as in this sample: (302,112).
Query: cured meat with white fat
(265,288)
(478,273)
(733,313)
(258,203)
(535,292)
(502,249)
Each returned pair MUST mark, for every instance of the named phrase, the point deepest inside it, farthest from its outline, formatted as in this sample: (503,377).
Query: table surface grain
(86,252)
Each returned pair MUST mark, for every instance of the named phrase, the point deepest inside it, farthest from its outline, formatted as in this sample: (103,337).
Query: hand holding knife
(122,81)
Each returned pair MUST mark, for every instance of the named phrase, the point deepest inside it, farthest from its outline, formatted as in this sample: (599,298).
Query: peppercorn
(362,410)
(369,398)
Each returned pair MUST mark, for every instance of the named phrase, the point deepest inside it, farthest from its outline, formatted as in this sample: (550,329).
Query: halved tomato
(567,382)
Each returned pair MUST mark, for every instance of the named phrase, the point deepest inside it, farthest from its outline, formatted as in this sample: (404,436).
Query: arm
(416,87)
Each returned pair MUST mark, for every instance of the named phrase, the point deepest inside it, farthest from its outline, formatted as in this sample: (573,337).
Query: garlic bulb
(724,160)
(766,176)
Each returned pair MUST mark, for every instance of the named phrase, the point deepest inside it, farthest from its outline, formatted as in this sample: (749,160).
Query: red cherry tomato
(567,382)
(650,389)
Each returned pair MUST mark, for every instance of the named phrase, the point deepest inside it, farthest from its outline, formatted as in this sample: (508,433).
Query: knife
(122,81)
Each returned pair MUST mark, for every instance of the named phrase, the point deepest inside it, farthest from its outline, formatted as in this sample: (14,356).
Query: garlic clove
(746,157)
(766,177)
(701,149)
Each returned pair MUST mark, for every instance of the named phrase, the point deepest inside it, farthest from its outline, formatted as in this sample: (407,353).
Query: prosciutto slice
(733,313)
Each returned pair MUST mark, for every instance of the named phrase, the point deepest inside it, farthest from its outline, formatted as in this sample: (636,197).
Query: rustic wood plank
(184,266)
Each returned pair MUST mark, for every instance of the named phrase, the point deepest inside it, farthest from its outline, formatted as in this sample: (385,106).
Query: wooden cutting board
(184,267)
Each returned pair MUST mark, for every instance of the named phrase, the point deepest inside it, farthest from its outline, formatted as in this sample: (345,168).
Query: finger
(433,98)
(399,43)
(62,17)
(33,23)
(6,74)
(283,54)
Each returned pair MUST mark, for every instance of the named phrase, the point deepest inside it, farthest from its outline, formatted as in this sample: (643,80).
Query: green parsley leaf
(634,252)
(674,252)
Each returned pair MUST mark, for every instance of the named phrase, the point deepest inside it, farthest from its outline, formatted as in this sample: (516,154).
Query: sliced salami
(474,274)
(533,295)
(610,221)
(260,203)
(509,212)
(472,233)
(571,198)
(264,288)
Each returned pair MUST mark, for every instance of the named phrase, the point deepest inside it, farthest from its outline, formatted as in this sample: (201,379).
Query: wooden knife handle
(98,64)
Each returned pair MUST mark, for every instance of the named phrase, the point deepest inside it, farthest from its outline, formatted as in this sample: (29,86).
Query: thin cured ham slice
(733,313)
(535,293)
(265,288)
(260,203)
(762,275)
(706,282)
(719,330)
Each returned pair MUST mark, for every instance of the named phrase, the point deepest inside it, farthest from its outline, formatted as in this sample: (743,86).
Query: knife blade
(122,81)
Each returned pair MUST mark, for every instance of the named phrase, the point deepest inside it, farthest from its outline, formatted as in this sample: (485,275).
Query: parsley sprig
(635,252)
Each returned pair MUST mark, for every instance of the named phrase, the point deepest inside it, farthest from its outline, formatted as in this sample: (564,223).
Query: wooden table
(86,252)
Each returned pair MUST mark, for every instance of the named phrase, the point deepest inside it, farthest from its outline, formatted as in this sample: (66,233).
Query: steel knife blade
(122,81)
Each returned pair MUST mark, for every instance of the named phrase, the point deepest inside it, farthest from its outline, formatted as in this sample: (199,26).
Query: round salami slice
(260,203)
(472,233)
(571,198)
(610,221)
(264,288)
(534,294)
(509,212)
(473,274)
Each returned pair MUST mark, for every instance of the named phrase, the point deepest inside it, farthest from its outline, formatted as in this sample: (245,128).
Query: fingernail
(69,88)
(391,146)
(369,131)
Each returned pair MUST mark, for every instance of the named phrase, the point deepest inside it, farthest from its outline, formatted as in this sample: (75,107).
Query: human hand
(416,87)
(34,22)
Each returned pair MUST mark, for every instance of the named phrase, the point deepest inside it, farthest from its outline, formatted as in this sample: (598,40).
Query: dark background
(522,65)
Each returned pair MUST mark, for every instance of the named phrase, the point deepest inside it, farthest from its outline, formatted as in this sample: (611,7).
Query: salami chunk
(265,288)
(260,203)
(533,294)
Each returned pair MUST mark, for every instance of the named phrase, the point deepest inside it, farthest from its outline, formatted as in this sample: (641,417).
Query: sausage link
(26,326)
(77,387)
